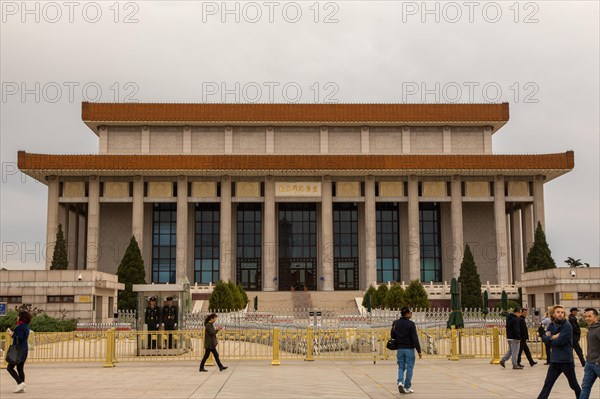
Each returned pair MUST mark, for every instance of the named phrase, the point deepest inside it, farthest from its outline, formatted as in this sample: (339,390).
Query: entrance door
(346,274)
(248,274)
(297,246)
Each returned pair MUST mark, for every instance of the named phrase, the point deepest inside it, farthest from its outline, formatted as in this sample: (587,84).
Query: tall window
(430,240)
(206,243)
(388,242)
(164,242)
(249,245)
(345,246)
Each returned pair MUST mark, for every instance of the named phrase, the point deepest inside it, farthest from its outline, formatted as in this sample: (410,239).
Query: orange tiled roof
(326,113)
(47,162)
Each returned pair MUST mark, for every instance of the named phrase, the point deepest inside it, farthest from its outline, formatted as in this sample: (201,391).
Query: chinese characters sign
(298,189)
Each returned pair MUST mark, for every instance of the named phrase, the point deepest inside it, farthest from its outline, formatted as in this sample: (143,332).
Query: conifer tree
(539,256)
(221,298)
(131,271)
(415,295)
(60,260)
(395,297)
(470,282)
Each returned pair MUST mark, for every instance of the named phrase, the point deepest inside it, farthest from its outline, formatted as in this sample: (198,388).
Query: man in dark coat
(152,320)
(576,335)
(524,337)
(560,335)
(404,332)
(513,334)
(169,319)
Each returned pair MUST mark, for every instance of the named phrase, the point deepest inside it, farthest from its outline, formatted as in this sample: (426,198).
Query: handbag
(13,354)
(391,344)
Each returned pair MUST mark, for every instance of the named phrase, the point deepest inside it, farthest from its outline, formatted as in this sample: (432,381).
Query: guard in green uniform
(152,320)
(170,319)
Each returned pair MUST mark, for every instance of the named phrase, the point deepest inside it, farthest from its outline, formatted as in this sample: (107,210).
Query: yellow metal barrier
(496,346)
(309,344)
(275,361)
(454,351)
(7,344)
(110,349)
(270,344)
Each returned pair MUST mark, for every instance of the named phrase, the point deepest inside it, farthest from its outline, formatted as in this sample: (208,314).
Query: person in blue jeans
(404,332)
(591,372)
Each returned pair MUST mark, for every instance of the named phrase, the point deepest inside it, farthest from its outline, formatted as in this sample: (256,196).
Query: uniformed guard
(170,319)
(152,320)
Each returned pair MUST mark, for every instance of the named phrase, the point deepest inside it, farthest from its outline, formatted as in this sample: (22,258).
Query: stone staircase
(301,300)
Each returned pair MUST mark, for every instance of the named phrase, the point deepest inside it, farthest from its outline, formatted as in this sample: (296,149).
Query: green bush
(227,296)
(395,297)
(39,323)
(369,294)
(510,303)
(379,297)
(416,296)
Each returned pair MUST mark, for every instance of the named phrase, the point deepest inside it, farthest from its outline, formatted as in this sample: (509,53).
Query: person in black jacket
(404,332)
(560,336)
(524,337)
(152,320)
(576,335)
(513,333)
(20,336)
(169,318)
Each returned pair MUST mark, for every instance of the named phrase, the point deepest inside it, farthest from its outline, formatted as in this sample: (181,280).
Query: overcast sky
(542,57)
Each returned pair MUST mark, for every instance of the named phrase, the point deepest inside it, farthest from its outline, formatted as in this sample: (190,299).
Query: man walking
(405,333)
(560,335)
(576,334)
(513,333)
(591,372)
(524,337)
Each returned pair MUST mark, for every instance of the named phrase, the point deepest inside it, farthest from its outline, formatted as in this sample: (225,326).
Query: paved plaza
(434,378)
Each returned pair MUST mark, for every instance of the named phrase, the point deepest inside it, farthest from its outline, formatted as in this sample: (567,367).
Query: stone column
(364,140)
(538,202)
(406,139)
(500,221)
(103,139)
(456,217)
(182,227)
(324,140)
(145,139)
(370,234)
(414,252)
(269,240)
(516,244)
(228,140)
(270,140)
(327,235)
(446,140)
(528,229)
(137,214)
(52,218)
(187,139)
(93,224)
(487,140)
(226,244)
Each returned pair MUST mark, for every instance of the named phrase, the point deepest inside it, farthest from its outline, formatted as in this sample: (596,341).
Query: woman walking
(211,342)
(20,337)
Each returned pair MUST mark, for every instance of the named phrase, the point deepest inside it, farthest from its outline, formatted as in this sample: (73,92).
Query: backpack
(541,331)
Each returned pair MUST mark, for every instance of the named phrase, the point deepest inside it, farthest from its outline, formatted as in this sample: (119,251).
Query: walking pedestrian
(513,334)
(560,334)
(591,372)
(405,333)
(523,347)
(576,334)
(211,342)
(20,336)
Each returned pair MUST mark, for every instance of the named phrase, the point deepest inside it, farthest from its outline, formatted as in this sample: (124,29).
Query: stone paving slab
(433,378)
